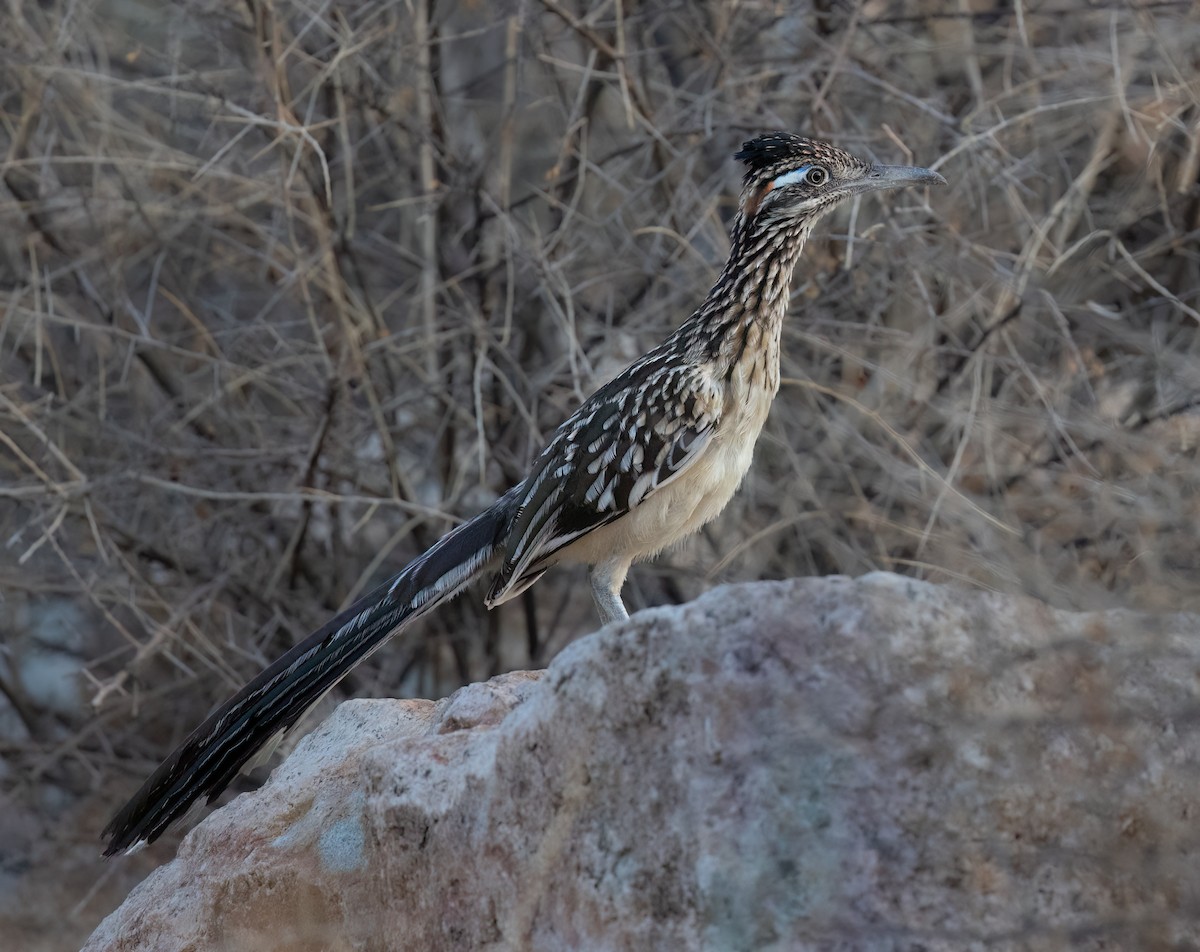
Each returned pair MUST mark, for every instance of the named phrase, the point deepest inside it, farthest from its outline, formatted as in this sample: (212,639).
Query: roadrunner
(648,459)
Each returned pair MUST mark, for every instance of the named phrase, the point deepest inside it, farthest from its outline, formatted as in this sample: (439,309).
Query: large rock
(818,764)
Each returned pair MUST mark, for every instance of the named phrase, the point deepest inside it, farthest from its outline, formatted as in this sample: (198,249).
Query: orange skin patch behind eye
(756,199)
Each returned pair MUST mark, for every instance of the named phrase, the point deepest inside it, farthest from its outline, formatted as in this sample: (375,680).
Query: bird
(646,460)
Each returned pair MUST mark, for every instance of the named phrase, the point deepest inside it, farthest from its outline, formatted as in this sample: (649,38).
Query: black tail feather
(212,755)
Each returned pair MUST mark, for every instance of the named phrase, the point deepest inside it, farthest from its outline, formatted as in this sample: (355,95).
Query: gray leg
(607,579)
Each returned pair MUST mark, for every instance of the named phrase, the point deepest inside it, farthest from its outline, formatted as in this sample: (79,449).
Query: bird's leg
(607,578)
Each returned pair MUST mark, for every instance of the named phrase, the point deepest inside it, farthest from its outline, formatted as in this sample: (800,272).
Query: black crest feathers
(768,151)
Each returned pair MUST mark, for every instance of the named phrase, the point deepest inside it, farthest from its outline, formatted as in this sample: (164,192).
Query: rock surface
(878,764)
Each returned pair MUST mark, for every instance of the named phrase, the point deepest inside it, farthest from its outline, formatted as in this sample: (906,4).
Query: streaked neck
(747,303)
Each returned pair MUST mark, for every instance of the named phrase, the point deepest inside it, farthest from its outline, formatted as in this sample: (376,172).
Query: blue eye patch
(791,178)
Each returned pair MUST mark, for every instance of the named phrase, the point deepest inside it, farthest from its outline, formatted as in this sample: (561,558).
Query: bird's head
(794,180)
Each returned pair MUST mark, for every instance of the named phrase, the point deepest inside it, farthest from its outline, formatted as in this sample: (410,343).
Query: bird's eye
(816,176)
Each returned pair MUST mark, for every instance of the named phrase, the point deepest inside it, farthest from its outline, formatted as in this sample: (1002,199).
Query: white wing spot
(597,487)
(644,484)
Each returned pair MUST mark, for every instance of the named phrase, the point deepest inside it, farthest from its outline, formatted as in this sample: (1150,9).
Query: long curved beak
(895,176)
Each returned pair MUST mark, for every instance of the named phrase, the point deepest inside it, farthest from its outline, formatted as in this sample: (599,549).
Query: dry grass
(285,288)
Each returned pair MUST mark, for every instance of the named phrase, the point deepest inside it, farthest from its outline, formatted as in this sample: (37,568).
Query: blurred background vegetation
(288,287)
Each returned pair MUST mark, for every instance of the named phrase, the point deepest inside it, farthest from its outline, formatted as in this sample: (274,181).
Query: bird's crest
(778,151)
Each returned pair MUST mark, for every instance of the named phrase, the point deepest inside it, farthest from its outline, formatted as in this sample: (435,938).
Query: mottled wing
(632,437)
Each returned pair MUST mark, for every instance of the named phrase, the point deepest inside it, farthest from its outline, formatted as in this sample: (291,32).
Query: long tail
(278,697)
